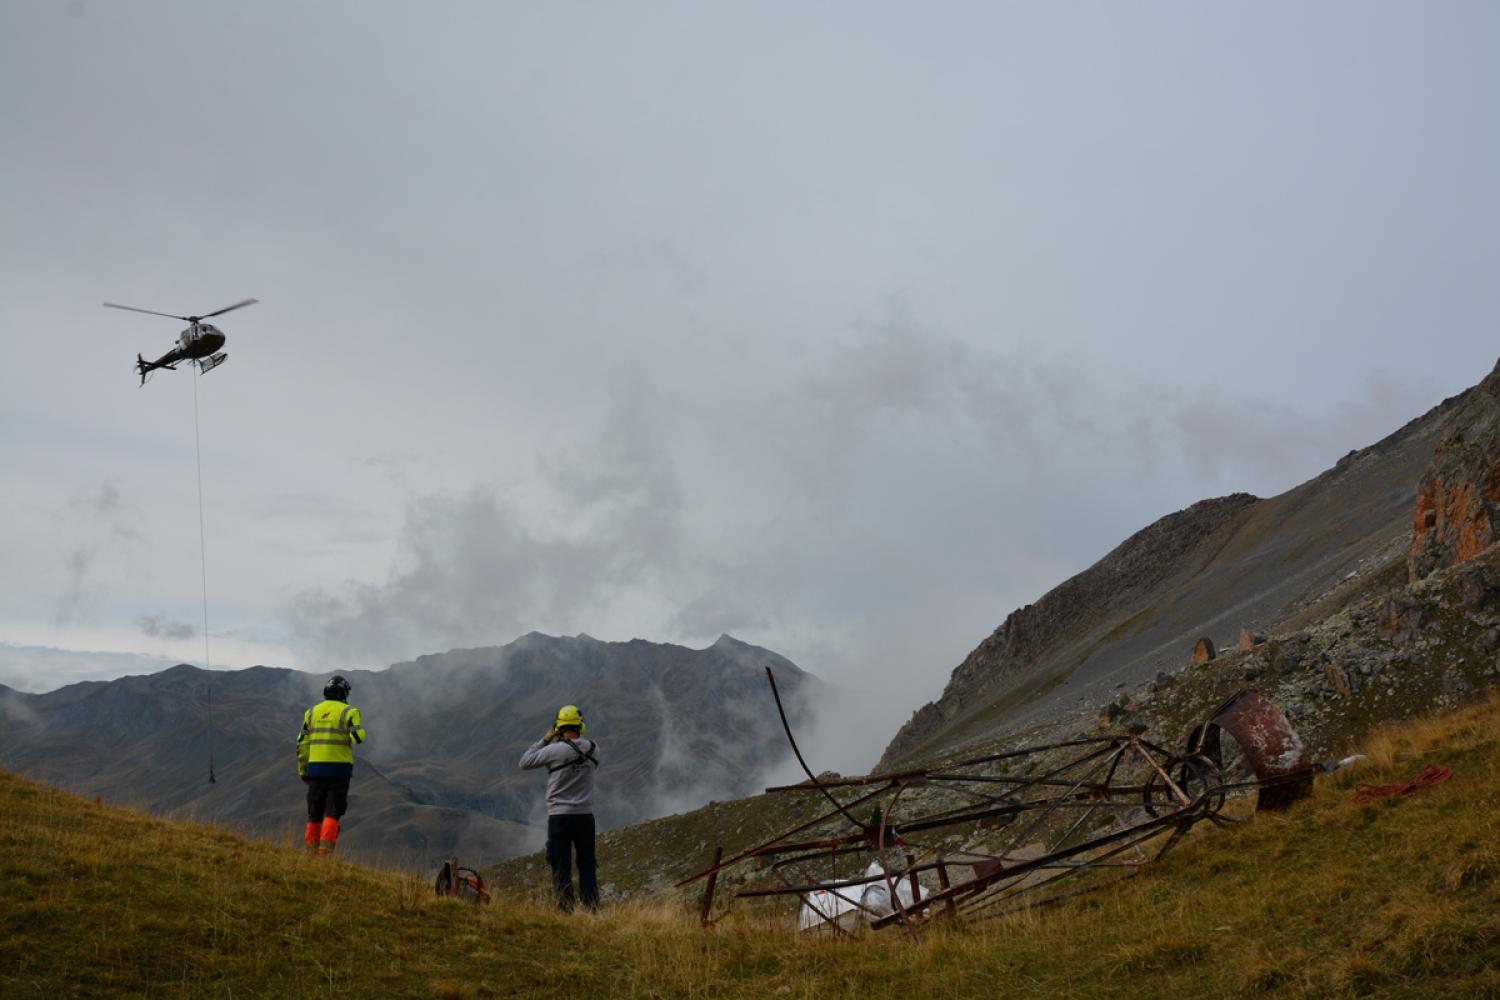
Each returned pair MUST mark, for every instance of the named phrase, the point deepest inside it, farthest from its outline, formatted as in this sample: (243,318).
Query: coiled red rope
(1432,775)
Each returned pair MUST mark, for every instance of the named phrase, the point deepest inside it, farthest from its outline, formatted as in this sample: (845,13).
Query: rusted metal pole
(916,887)
(769,845)
(1002,871)
(951,908)
(885,868)
(787,726)
(708,891)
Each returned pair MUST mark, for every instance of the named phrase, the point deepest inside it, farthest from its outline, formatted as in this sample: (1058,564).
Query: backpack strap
(583,758)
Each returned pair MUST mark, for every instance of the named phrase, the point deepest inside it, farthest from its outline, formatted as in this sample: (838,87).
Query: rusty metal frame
(1145,792)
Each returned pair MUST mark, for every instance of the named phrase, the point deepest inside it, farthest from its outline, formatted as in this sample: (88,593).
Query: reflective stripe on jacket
(329,731)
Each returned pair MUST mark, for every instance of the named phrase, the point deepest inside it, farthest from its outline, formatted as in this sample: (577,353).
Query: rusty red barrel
(1270,744)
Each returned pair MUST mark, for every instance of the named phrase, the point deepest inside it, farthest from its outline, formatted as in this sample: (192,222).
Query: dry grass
(1390,899)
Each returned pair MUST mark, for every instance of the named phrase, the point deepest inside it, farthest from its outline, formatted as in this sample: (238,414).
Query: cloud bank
(899,494)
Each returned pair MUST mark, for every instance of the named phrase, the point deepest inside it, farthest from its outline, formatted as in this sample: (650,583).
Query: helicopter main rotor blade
(237,305)
(153,312)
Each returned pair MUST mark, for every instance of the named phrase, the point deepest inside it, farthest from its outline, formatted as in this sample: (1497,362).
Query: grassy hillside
(1392,899)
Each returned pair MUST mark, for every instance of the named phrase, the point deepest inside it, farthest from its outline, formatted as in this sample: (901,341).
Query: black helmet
(337,689)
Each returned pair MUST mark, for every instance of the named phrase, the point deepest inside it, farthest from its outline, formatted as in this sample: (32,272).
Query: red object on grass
(1432,775)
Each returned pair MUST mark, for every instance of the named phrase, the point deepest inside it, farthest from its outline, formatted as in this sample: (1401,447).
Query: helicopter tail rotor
(147,367)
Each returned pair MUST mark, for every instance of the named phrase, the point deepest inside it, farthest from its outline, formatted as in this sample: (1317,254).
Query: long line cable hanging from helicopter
(203,570)
(199,346)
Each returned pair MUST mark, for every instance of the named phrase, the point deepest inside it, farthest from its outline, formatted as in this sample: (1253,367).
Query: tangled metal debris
(980,837)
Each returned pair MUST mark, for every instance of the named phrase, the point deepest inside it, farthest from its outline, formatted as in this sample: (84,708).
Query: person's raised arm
(536,755)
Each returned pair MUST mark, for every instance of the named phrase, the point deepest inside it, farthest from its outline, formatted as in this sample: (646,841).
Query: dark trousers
(327,797)
(566,834)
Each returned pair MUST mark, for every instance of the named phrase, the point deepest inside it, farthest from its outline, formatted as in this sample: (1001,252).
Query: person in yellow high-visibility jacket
(325,761)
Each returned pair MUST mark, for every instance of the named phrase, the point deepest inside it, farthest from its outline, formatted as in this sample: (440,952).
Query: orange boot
(310,838)
(328,837)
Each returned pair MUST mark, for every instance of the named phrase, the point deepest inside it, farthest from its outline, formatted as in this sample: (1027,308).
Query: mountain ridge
(1209,570)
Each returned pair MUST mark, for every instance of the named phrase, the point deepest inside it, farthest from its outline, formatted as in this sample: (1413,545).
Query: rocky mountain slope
(1224,566)
(438,774)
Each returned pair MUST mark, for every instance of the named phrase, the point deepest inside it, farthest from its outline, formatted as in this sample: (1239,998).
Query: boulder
(1402,612)
(1478,587)
(1339,680)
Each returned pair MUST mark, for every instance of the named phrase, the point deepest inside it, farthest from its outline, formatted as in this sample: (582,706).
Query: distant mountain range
(438,774)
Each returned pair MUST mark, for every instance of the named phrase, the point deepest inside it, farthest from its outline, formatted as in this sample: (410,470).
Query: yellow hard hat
(568,717)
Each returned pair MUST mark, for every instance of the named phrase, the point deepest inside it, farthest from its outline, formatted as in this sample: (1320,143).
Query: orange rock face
(1458,500)
(1474,535)
(1452,522)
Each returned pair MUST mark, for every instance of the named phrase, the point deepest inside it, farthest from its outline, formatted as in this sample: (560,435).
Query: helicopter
(198,344)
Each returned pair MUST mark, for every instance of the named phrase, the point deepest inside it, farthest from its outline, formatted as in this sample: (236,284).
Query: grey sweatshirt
(570,774)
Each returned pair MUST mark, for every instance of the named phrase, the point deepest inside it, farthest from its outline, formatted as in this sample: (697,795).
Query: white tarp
(822,907)
(848,905)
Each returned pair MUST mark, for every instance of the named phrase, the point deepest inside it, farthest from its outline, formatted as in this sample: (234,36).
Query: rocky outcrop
(1457,512)
(1428,645)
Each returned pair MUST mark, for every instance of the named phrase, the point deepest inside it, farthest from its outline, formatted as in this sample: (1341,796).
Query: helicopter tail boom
(146,367)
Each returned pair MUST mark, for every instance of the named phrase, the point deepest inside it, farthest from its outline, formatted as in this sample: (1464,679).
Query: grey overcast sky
(845,328)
